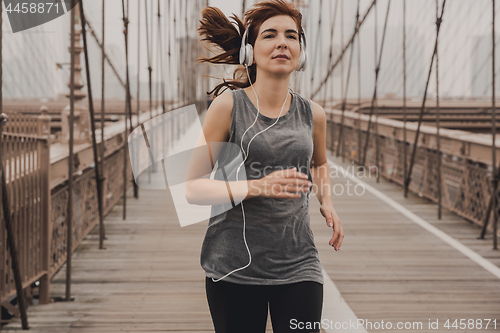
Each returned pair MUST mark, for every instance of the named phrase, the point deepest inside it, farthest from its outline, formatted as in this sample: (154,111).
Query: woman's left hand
(332,220)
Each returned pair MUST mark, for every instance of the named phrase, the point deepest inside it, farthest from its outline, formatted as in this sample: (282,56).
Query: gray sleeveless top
(278,232)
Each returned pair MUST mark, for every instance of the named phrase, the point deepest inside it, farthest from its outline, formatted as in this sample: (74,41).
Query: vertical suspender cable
(169,41)
(186,55)
(415,144)
(341,43)
(493,131)
(341,68)
(157,73)
(344,97)
(136,193)
(128,111)
(359,93)
(176,52)
(150,70)
(97,167)
(103,58)
(318,39)
(69,214)
(197,50)
(405,145)
(129,101)
(166,38)
(368,129)
(495,172)
(128,72)
(375,8)
(438,148)
(136,188)
(169,77)
(138,59)
(190,50)
(152,48)
(180,52)
(183,52)
(125,152)
(185,72)
(160,75)
(148,48)
(160,56)
(330,56)
(374,98)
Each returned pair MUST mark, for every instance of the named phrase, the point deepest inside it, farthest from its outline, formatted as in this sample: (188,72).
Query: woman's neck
(272,91)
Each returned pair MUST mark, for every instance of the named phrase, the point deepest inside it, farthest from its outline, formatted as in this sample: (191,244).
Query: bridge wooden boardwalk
(148,279)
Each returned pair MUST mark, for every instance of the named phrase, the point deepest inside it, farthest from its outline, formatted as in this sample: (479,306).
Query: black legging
(239,308)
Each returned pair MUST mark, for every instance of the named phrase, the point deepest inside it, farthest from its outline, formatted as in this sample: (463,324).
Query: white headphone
(246,59)
(246,51)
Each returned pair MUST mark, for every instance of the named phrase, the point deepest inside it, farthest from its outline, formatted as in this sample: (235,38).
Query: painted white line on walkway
(424,224)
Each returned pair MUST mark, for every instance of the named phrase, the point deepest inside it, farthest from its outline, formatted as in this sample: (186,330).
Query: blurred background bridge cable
(408,178)
(378,59)
(346,89)
(97,166)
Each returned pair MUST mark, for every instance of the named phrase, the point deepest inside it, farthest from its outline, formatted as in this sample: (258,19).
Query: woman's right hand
(285,184)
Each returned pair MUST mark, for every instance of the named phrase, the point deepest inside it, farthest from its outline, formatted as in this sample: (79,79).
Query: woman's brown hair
(216,28)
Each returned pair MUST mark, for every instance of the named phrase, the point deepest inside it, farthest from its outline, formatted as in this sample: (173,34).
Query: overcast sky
(465,52)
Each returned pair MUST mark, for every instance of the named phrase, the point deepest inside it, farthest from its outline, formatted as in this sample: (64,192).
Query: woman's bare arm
(216,126)
(320,172)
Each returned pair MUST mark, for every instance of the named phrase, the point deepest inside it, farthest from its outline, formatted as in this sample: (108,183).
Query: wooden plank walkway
(393,269)
(148,279)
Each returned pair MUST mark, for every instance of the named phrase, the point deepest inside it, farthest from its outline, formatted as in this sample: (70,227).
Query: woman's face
(277,35)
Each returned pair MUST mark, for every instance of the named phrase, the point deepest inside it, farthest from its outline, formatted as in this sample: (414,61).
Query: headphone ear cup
(249,55)
(242,54)
(302,61)
(244,49)
(301,65)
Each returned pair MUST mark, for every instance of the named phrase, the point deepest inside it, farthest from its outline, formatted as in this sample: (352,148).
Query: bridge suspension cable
(330,53)
(330,70)
(346,89)
(408,178)
(374,98)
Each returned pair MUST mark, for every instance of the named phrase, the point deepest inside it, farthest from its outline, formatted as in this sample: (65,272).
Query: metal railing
(38,195)
(465,160)
(26,160)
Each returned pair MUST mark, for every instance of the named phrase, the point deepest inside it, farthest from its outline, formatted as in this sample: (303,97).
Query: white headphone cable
(239,167)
